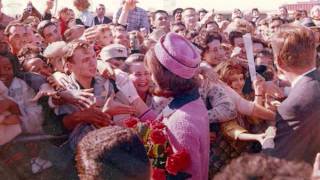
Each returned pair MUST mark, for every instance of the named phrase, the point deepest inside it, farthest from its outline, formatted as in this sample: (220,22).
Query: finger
(110,99)
(84,103)
(88,90)
(316,165)
(86,95)
(37,96)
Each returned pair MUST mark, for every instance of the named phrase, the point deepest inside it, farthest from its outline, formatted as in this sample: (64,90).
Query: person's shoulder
(18,83)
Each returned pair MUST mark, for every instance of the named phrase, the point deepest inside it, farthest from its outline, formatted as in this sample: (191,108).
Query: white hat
(113,51)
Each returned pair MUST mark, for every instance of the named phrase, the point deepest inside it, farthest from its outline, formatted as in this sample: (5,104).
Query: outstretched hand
(115,108)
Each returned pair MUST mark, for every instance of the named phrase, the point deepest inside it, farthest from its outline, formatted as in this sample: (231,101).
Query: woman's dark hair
(170,85)
(204,38)
(133,58)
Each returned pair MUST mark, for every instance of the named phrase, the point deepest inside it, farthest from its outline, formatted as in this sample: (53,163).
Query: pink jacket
(188,128)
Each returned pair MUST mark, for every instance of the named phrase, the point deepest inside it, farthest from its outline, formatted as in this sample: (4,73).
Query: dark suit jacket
(106,20)
(298,122)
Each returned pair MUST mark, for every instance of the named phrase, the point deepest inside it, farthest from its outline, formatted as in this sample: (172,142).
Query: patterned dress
(223,116)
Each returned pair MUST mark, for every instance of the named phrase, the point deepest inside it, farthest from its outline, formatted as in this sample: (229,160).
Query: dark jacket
(298,121)
(106,20)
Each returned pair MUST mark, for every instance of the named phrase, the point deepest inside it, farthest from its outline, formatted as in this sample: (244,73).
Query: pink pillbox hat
(178,55)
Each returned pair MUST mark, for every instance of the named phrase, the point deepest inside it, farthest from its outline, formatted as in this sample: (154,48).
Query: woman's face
(215,54)
(65,16)
(6,71)
(140,77)
(237,82)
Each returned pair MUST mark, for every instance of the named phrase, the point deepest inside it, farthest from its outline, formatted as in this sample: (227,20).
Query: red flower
(169,150)
(178,162)
(131,122)
(158,174)
(157,136)
(157,125)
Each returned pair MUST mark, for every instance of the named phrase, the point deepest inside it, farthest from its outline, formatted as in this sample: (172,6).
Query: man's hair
(203,10)
(100,5)
(176,11)
(254,9)
(160,12)
(72,46)
(189,8)
(294,46)
(276,18)
(112,152)
(263,167)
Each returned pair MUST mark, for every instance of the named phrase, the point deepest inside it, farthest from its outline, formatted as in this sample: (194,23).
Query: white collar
(297,79)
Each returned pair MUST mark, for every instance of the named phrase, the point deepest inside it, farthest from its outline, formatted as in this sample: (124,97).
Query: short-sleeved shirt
(137,19)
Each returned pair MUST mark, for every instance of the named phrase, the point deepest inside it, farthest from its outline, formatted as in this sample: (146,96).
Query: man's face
(101,10)
(122,37)
(274,25)
(161,21)
(190,17)
(218,18)
(18,37)
(212,27)
(51,34)
(238,42)
(6,71)
(202,14)
(255,14)
(283,12)
(84,62)
(178,16)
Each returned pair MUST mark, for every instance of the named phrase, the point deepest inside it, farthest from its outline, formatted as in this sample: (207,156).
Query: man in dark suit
(101,18)
(298,117)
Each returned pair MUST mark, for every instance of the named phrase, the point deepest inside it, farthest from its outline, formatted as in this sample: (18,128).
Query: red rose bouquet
(165,163)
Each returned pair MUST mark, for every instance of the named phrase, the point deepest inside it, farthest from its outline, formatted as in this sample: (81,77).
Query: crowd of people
(69,85)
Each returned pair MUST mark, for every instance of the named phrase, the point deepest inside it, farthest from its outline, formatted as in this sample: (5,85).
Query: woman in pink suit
(173,63)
